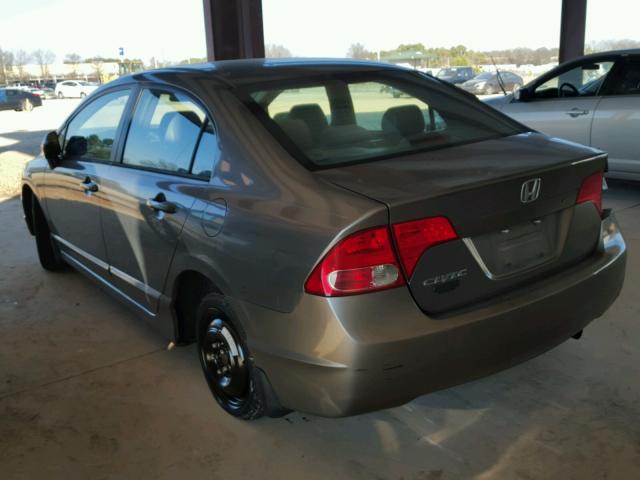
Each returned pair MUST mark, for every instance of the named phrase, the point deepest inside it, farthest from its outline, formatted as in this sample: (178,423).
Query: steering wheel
(571,87)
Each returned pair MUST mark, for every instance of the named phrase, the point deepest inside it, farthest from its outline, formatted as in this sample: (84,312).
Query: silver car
(594,100)
(330,247)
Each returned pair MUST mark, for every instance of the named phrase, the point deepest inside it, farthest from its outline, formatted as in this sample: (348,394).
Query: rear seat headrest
(407,120)
(296,130)
(312,115)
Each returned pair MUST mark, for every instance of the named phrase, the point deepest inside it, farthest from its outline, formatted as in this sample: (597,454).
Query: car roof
(257,70)
(606,54)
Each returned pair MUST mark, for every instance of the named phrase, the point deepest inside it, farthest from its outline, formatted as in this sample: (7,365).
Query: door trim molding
(125,277)
(95,260)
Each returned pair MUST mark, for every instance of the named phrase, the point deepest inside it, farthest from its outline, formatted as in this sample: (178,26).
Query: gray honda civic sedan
(330,247)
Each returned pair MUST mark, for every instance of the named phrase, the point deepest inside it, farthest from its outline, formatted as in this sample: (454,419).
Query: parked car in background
(593,100)
(488,83)
(330,248)
(455,75)
(74,88)
(20,86)
(19,100)
(43,92)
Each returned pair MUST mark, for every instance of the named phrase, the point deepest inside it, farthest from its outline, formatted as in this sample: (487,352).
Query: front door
(563,106)
(616,124)
(73,189)
(150,194)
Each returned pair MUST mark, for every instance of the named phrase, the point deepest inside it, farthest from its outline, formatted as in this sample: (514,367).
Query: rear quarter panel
(280,218)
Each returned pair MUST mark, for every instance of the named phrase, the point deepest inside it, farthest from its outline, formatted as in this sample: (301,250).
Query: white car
(74,88)
(593,100)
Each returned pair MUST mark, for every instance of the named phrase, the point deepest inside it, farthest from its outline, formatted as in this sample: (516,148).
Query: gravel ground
(20,137)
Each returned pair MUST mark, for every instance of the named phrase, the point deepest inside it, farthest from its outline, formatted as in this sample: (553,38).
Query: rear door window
(164,133)
(91,133)
(627,80)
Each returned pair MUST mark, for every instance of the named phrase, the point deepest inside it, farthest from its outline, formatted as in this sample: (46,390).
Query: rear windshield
(351,118)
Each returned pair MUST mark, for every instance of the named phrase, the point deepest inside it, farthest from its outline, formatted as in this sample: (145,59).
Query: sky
(174,29)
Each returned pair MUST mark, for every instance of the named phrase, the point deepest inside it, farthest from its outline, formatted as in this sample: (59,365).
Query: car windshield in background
(347,119)
(446,72)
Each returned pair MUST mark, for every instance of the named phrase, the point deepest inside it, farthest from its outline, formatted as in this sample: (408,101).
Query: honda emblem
(530,190)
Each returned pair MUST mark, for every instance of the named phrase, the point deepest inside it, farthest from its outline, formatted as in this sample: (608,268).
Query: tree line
(419,55)
(13,63)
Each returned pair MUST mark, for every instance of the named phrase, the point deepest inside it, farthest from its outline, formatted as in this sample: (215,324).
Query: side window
(208,153)
(374,103)
(627,80)
(164,132)
(91,133)
(582,81)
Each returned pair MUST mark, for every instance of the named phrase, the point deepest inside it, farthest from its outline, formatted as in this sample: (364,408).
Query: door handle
(576,112)
(160,204)
(89,186)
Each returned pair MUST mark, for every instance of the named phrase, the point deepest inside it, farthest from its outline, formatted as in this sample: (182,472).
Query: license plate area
(523,247)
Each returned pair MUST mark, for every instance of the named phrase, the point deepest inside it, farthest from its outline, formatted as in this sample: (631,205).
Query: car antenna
(500,82)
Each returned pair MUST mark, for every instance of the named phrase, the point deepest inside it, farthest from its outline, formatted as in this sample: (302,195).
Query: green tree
(358,50)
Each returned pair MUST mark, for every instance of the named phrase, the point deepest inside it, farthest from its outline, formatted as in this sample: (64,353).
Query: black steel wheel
(239,388)
(225,363)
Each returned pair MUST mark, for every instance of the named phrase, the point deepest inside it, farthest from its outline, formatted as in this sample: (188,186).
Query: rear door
(563,106)
(616,124)
(151,191)
(13,99)
(73,190)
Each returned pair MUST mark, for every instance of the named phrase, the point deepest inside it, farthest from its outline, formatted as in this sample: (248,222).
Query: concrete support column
(572,29)
(233,29)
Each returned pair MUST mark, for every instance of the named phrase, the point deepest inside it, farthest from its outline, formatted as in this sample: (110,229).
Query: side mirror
(51,149)
(522,94)
(76,147)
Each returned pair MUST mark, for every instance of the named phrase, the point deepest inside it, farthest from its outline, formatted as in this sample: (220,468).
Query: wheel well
(27,207)
(190,287)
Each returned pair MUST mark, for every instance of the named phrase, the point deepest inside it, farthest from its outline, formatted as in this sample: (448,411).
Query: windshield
(351,118)
(485,76)
(447,72)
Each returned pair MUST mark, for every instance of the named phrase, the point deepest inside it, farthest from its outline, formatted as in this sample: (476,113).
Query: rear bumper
(344,356)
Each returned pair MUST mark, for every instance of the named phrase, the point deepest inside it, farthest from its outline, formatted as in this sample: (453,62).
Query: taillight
(591,191)
(414,237)
(363,262)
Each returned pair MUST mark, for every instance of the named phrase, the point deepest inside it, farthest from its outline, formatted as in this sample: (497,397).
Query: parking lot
(98,395)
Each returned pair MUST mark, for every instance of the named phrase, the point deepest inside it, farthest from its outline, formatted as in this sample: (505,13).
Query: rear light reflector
(362,262)
(415,237)
(591,190)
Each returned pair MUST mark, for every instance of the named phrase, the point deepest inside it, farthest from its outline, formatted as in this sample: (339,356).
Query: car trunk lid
(486,190)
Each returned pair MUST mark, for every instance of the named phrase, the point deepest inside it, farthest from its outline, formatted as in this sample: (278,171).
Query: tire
(60,94)
(240,388)
(48,252)
(27,106)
